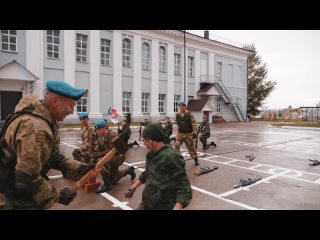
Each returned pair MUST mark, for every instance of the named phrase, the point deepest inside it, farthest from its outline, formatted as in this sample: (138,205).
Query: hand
(66,196)
(128,194)
(83,169)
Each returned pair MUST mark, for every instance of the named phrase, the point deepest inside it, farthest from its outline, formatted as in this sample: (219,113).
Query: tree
(258,87)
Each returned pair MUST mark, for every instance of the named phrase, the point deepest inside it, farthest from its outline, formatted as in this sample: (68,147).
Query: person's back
(32,148)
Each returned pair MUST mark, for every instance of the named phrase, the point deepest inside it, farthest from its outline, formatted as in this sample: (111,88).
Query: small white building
(144,72)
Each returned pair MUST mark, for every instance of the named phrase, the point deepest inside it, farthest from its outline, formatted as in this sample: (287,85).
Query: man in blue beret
(31,139)
(66,90)
(110,172)
(88,136)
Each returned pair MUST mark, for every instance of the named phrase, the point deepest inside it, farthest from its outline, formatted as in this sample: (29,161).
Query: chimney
(206,34)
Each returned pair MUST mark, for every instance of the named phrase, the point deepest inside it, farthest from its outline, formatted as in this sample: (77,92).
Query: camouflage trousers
(187,139)
(203,140)
(111,169)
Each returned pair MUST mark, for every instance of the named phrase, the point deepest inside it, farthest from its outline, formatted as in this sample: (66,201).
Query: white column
(117,71)
(94,92)
(136,95)
(211,66)
(69,57)
(154,114)
(197,69)
(34,59)
(170,83)
(184,68)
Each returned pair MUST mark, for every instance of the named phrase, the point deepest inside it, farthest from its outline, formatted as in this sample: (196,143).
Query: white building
(144,72)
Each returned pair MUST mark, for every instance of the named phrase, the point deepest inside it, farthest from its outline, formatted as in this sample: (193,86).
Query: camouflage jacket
(88,136)
(166,180)
(168,128)
(32,148)
(205,129)
(102,144)
(186,123)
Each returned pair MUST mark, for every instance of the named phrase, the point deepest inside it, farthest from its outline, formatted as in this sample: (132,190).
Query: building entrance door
(8,102)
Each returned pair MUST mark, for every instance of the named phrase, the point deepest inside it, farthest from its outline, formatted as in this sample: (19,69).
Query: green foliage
(258,87)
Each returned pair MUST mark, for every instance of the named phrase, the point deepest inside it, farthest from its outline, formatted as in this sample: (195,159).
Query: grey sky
(292,58)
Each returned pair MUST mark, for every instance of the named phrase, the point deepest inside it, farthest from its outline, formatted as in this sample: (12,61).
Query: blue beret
(101,124)
(83,115)
(66,90)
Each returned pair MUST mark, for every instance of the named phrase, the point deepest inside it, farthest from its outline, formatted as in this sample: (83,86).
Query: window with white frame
(177,64)
(162,102)
(176,103)
(190,66)
(53,44)
(145,56)
(145,102)
(82,45)
(105,52)
(9,40)
(219,71)
(82,104)
(217,107)
(162,59)
(126,53)
(126,102)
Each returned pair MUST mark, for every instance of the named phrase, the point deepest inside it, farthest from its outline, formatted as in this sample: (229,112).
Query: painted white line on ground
(116,202)
(136,163)
(68,144)
(255,166)
(223,199)
(55,177)
(263,180)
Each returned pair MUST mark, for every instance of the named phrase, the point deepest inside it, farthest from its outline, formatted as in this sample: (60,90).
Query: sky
(292,58)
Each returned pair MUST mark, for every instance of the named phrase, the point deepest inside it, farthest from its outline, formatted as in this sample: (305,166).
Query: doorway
(8,102)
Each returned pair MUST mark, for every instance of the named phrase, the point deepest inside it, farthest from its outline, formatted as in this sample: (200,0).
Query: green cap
(154,131)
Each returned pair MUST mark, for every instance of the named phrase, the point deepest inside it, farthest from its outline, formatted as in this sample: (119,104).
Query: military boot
(107,186)
(135,143)
(130,170)
(213,144)
(196,162)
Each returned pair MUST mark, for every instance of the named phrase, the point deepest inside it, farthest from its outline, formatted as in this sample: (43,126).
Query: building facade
(144,72)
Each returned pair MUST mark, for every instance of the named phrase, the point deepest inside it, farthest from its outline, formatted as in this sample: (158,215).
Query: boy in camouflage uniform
(204,130)
(167,186)
(30,148)
(110,172)
(82,154)
(187,130)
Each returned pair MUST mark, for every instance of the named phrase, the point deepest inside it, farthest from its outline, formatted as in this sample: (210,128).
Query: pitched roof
(196,105)
(15,71)
(208,89)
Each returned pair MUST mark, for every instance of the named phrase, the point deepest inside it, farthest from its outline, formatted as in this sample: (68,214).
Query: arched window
(162,59)
(126,53)
(145,56)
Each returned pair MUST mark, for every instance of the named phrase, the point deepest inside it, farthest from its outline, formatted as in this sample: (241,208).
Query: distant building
(144,72)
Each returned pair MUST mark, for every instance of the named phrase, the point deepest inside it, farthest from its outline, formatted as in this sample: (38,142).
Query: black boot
(107,186)
(196,162)
(135,143)
(130,170)
(213,144)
